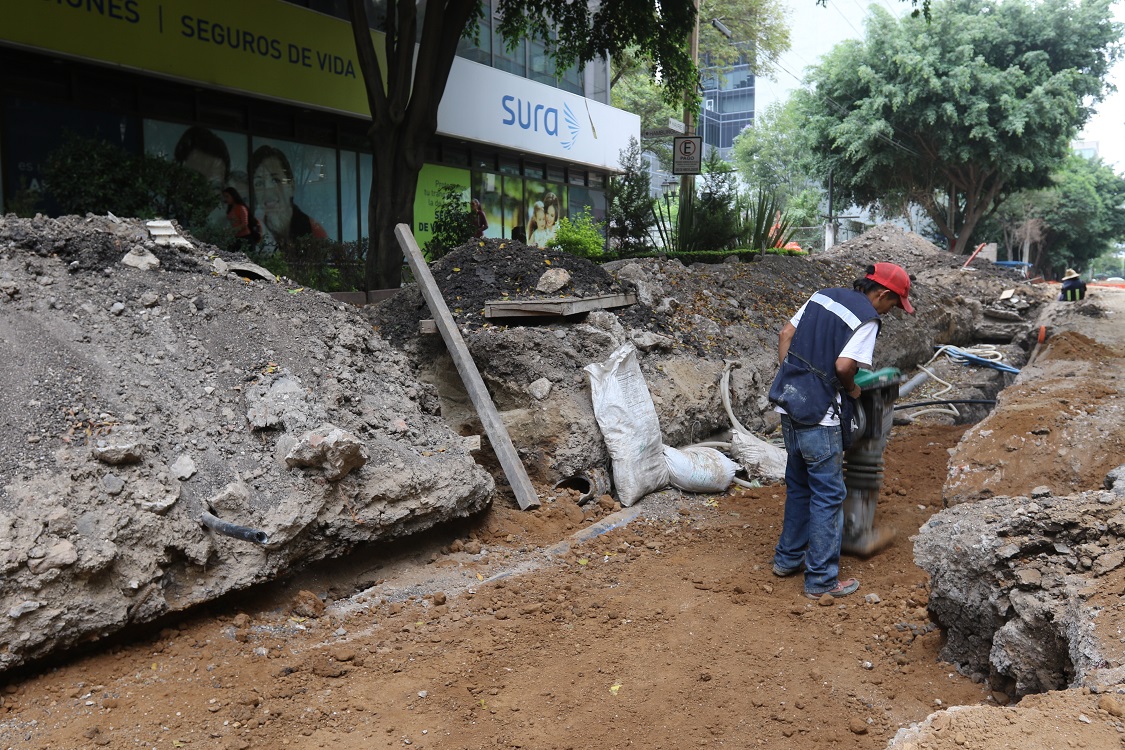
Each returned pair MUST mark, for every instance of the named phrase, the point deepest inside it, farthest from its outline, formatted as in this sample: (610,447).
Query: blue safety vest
(806,383)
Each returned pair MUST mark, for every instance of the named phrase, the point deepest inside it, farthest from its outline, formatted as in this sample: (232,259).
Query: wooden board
(493,426)
(560,306)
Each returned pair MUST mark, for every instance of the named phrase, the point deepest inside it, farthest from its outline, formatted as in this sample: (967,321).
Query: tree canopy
(774,154)
(759,32)
(959,112)
(405,83)
(1083,215)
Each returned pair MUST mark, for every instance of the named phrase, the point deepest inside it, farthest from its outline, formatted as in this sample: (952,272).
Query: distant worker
(820,351)
(1073,287)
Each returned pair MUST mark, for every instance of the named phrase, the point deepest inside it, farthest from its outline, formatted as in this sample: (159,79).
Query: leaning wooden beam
(467,369)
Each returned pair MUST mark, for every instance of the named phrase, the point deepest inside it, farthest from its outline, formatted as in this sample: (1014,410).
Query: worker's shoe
(842,588)
(781,572)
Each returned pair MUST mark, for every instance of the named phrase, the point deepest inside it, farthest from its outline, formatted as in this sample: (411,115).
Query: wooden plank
(562,306)
(470,376)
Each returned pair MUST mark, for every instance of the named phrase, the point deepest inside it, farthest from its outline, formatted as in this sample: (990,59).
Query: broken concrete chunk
(112,484)
(23,608)
(540,389)
(1040,492)
(646,341)
(249,270)
(280,403)
(553,280)
(58,555)
(141,258)
(1108,562)
(150,299)
(330,448)
(1115,480)
(183,468)
(123,445)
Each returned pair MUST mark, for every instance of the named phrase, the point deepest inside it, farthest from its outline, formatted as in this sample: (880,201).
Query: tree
(774,154)
(405,84)
(962,111)
(629,205)
(1084,217)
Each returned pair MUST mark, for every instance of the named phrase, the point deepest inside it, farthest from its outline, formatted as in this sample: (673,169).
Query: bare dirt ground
(669,632)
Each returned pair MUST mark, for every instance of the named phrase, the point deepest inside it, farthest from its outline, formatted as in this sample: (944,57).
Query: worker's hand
(855,391)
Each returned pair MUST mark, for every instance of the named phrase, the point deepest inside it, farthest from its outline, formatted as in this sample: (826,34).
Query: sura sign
(496,108)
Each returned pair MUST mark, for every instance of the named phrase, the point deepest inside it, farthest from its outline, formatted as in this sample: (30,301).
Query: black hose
(245,533)
(947,401)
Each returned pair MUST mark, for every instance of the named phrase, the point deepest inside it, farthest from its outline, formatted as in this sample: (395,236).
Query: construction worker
(1073,287)
(820,351)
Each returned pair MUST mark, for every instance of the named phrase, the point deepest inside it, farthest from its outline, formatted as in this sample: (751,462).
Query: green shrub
(318,263)
(581,236)
(629,206)
(454,224)
(88,175)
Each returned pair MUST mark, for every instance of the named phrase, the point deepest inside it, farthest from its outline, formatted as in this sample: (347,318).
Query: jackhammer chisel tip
(870,543)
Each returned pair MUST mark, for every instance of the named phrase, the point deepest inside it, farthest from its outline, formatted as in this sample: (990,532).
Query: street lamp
(668,188)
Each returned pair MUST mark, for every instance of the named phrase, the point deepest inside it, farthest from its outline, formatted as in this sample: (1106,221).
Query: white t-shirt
(860,347)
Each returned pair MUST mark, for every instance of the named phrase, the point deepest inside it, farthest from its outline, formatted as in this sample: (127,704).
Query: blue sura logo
(540,118)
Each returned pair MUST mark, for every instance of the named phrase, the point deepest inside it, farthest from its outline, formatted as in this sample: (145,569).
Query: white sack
(758,457)
(629,425)
(698,469)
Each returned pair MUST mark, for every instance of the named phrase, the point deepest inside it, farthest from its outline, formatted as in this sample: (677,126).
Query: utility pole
(687,181)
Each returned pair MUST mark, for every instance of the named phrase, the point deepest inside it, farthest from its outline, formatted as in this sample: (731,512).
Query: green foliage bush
(629,210)
(581,236)
(88,175)
(453,222)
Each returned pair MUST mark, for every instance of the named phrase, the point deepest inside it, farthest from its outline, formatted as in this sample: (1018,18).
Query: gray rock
(112,484)
(540,389)
(1041,492)
(329,448)
(552,280)
(123,445)
(23,608)
(58,555)
(183,468)
(141,258)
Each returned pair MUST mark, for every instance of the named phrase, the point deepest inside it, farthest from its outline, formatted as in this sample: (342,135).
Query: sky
(815,29)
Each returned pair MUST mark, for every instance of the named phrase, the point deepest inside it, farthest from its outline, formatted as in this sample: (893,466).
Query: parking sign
(687,154)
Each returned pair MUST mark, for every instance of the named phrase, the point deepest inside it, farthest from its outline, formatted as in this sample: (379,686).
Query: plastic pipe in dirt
(245,533)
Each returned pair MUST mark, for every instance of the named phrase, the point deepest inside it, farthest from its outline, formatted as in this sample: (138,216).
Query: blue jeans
(814,504)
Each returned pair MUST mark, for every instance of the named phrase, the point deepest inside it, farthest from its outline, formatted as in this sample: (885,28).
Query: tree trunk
(397,166)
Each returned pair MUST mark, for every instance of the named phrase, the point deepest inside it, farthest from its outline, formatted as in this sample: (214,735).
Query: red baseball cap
(896,279)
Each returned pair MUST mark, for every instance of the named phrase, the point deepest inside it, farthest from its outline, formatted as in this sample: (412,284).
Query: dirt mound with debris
(144,391)
(1073,345)
(689,322)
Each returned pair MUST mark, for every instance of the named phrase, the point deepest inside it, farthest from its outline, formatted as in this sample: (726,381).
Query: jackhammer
(863,461)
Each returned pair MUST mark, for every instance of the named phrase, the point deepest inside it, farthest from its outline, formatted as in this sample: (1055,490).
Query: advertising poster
(293,190)
(546,204)
(428,197)
(515,217)
(486,189)
(218,155)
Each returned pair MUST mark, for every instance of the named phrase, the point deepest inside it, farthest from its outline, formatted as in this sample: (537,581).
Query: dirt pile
(688,321)
(134,400)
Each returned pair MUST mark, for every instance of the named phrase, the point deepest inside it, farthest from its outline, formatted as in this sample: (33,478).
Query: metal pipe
(913,383)
(245,533)
(947,401)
